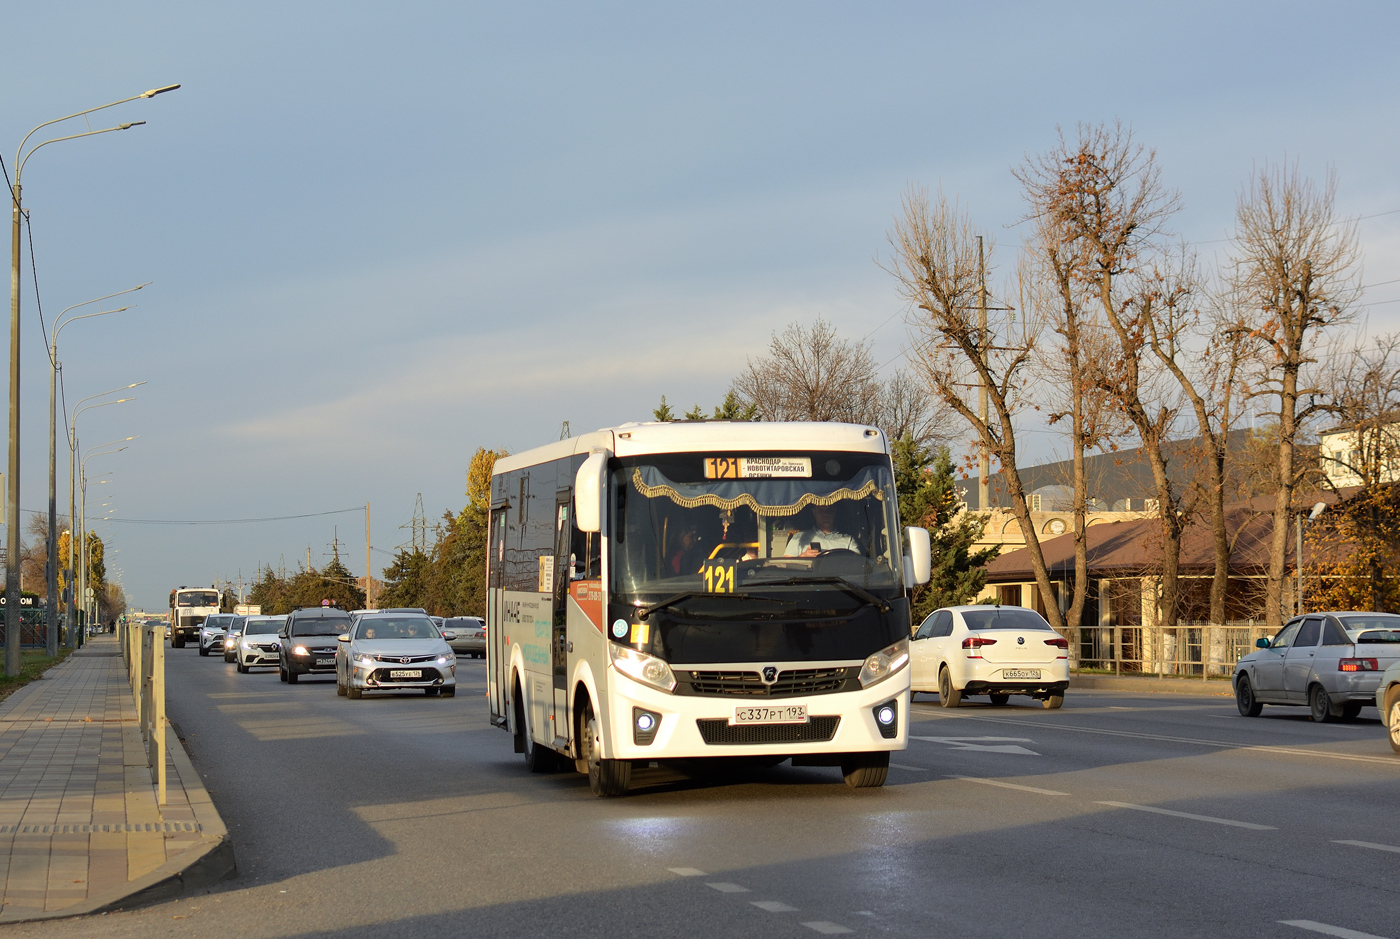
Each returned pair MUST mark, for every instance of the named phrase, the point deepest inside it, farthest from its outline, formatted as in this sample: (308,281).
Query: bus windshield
(726,523)
(197,598)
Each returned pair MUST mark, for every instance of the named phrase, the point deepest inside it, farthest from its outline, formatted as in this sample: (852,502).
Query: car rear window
(1004,617)
(1372,636)
(1371,621)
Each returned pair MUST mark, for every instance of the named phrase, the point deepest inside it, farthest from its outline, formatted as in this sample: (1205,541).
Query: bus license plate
(330,661)
(405,673)
(788,714)
(1021,673)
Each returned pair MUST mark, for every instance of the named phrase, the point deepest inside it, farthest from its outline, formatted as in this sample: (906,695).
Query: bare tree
(1053,258)
(906,409)
(1213,389)
(1294,264)
(936,262)
(1103,193)
(811,374)
(1366,399)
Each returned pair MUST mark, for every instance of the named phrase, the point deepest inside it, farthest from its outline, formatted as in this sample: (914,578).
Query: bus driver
(823,536)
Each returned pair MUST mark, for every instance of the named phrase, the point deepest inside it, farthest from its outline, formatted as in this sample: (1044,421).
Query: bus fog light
(887,719)
(645,724)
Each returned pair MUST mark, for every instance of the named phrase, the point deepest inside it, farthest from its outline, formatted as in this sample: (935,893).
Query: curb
(203,865)
(1184,686)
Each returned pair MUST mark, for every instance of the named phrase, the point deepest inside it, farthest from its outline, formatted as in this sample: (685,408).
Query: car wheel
(241,667)
(1351,710)
(431,692)
(354,694)
(606,778)
(177,643)
(202,650)
(1000,699)
(292,676)
(948,697)
(339,687)
(450,692)
(866,770)
(1053,701)
(1392,716)
(1320,705)
(1248,705)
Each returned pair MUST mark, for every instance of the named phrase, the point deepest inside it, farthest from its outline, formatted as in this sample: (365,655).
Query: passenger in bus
(688,558)
(822,536)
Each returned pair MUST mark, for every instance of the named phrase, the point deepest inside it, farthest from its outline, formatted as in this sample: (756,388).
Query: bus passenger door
(497,663)
(563,573)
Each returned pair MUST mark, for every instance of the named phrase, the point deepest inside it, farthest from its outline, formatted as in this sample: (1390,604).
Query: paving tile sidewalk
(80,827)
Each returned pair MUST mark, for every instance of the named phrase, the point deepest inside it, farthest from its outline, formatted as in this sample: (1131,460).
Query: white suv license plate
(405,673)
(1021,673)
(330,661)
(787,714)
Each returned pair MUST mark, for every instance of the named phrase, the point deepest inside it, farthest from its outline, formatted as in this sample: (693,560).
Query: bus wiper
(854,590)
(646,611)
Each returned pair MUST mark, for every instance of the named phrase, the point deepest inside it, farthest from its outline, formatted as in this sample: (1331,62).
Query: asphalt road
(1117,816)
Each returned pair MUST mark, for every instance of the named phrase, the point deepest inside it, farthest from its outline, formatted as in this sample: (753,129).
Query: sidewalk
(80,830)
(1151,684)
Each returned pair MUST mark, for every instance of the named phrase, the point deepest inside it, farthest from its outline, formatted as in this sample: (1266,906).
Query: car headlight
(364,659)
(884,663)
(445,659)
(300,650)
(647,669)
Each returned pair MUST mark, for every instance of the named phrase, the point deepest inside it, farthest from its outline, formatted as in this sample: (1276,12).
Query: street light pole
(12,591)
(51,567)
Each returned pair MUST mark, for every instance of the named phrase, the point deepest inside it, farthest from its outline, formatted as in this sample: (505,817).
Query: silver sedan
(395,652)
(1330,663)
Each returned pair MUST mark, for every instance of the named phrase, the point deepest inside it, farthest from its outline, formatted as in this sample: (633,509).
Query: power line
(231,521)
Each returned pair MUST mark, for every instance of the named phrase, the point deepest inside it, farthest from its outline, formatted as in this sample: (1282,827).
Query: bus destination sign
(758,467)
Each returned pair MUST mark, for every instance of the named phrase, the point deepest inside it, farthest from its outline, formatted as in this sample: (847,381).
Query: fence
(1192,650)
(143,647)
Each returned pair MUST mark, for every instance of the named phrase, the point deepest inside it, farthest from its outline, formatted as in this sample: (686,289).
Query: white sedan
(993,650)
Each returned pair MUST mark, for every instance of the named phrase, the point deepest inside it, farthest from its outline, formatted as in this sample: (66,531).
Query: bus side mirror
(918,565)
(588,492)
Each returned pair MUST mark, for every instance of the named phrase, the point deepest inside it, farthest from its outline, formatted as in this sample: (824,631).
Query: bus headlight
(647,669)
(884,663)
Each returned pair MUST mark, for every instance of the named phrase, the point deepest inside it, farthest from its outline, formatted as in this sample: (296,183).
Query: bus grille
(717,730)
(789,684)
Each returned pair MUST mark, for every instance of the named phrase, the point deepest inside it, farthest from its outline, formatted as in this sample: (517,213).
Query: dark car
(308,642)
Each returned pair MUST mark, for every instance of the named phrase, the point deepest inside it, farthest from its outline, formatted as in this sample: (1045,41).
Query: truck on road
(189,607)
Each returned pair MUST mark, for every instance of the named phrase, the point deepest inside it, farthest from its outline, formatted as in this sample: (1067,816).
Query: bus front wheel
(606,778)
(866,770)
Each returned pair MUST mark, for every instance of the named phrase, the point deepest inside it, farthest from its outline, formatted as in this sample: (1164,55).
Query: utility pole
(369,571)
(984,459)
(12,611)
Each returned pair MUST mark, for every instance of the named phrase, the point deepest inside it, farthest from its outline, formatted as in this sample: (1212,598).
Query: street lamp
(72,455)
(51,568)
(12,567)
(1317,510)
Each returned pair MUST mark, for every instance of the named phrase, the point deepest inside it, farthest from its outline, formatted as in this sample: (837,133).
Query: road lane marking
(1199,818)
(773,906)
(917,769)
(686,871)
(984,744)
(1371,844)
(1326,930)
(1222,744)
(1007,785)
(728,888)
(833,929)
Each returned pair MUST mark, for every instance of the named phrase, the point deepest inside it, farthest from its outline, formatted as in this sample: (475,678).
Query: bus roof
(637,439)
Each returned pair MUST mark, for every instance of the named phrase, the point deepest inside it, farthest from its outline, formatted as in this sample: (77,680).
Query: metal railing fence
(1187,650)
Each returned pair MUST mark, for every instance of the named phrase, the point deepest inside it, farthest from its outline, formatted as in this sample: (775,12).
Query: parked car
(1330,663)
(993,650)
(213,630)
(470,635)
(307,642)
(395,651)
(258,644)
(1388,700)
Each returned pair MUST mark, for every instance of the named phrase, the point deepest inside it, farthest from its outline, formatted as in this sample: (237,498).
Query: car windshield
(321,626)
(257,627)
(683,518)
(197,598)
(396,627)
(1005,617)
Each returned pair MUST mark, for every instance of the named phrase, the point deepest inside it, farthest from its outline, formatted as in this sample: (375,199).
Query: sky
(381,236)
